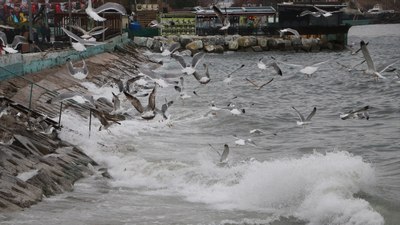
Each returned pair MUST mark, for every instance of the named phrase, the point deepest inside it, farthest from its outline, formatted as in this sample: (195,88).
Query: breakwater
(220,44)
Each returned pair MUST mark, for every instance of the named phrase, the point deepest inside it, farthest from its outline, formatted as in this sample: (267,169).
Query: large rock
(209,48)
(247,41)
(233,45)
(257,48)
(195,45)
(140,41)
(149,43)
(219,49)
(262,42)
(185,39)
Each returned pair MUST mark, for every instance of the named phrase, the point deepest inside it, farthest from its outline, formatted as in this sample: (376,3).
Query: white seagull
(94,13)
(80,44)
(308,70)
(261,65)
(361,113)
(203,79)
(77,72)
(224,156)
(258,87)
(371,66)
(189,68)
(88,35)
(289,30)
(147,112)
(224,18)
(306,120)
(172,48)
(18,39)
(325,13)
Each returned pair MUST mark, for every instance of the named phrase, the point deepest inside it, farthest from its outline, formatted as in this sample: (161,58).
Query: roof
(238,11)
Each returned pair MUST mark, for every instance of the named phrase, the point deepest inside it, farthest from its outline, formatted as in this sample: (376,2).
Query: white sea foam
(318,188)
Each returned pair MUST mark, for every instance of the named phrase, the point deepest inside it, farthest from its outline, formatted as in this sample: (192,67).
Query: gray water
(331,171)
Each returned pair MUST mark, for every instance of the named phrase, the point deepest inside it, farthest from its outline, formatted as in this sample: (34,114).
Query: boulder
(247,41)
(219,49)
(140,41)
(185,39)
(209,48)
(195,45)
(262,42)
(257,48)
(149,43)
(233,45)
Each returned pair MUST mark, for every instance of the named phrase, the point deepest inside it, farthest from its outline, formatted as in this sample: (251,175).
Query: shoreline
(37,164)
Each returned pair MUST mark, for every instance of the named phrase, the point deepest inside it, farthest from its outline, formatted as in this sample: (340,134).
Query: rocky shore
(34,162)
(220,44)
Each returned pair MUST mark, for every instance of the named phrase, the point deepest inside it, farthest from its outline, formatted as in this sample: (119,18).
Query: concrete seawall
(20,64)
(219,44)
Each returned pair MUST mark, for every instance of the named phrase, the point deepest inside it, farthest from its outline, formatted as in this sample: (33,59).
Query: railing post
(30,97)
(90,121)
(59,117)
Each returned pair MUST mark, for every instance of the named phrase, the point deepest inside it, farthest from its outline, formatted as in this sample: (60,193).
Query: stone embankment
(34,162)
(220,44)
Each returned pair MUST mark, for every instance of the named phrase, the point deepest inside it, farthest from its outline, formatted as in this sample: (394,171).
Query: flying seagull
(18,39)
(229,78)
(289,30)
(94,13)
(88,35)
(116,102)
(371,66)
(147,113)
(224,156)
(165,107)
(308,70)
(258,87)
(306,120)
(202,79)
(361,113)
(105,121)
(261,65)
(80,44)
(77,72)
(189,68)
(78,97)
(172,48)
(308,12)
(324,12)
(223,18)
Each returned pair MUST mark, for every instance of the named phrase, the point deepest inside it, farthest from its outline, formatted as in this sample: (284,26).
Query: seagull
(93,13)
(80,44)
(116,102)
(202,79)
(181,89)
(165,107)
(289,30)
(223,18)
(18,39)
(198,9)
(224,156)
(261,65)
(352,8)
(77,72)
(147,113)
(78,97)
(307,120)
(261,86)
(240,141)
(308,70)
(229,78)
(104,119)
(361,113)
(88,35)
(308,12)
(155,23)
(173,48)
(371,66)
(324,12)
(189,68)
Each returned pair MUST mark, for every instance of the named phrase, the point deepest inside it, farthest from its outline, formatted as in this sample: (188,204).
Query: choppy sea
(331,171)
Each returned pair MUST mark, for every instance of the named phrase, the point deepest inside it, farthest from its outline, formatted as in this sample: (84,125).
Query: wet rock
(247,41)
(185,39)
(263,43)
(149,43)
(257,48)
(195,45)
(209,48)
(140,41)
(233,45)
(219,49)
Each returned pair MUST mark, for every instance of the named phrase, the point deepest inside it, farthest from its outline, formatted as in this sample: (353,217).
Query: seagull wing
(135,102)
(320,63)
(3,38)
(251,82)
(111,6)
(197,75)
(174,47)
(299,114)
(225,153)
(276,68)
(265,84)
(207,73)
(293,31)
(71,69)
(389,65)
(196,58)
(218,12)
(80,40)
(97,32)
(78,28)
(95,29)
(84,67)
(311,114)
(367,56)
(365,108)
(320,10)
(18,39)
(180,60)
(152,98)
